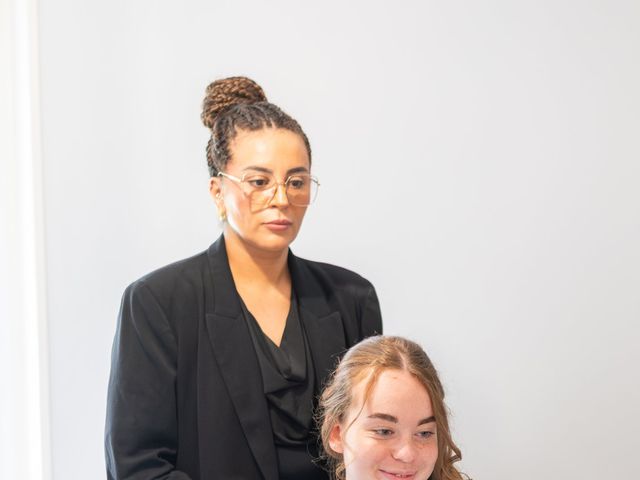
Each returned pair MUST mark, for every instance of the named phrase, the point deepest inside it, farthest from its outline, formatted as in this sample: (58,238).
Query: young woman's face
(393,436)
(266,226)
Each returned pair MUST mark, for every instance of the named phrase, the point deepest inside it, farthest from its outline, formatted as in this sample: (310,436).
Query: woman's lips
(408,475)
(278,225)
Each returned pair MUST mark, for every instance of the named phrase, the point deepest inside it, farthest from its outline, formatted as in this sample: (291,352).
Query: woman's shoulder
(336,276)
(169,277)
(346,291)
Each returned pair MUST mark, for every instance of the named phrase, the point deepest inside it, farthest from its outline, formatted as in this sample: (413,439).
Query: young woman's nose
(404,450)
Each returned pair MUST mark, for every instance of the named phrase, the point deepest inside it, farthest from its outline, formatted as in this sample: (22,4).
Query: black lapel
(232,347)
(322,321)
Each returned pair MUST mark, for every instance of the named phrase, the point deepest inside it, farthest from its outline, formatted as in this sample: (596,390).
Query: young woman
(218,358)
(383,415)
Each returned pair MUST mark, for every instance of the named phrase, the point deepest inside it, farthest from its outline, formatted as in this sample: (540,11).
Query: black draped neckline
(289,387)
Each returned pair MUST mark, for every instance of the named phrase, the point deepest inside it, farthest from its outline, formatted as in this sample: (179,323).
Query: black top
(289,387)
(186,400)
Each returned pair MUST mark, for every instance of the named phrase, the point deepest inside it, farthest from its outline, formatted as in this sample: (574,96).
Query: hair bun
(226,92)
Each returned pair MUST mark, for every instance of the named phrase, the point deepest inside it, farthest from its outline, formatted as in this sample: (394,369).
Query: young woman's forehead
(392,391)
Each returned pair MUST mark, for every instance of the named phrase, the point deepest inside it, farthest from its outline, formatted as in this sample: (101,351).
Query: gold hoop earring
(222,216)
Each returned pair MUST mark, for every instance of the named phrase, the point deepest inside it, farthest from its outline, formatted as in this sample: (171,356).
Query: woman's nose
(280,196)
(404,451)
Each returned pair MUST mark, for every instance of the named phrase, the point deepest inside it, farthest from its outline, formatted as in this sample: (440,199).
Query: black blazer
(185,394)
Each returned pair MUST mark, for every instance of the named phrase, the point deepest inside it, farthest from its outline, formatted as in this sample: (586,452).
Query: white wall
(479,163)
(24,402)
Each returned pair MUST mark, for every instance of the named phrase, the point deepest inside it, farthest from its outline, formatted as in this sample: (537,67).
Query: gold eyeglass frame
(285,184)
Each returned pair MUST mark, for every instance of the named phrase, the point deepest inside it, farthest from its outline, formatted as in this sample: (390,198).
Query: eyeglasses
(261,187)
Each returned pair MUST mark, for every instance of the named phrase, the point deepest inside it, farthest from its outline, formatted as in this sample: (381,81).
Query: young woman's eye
(426,434)
(383,432)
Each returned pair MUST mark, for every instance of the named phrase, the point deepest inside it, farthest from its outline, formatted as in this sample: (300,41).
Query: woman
(218,358)
(382,415)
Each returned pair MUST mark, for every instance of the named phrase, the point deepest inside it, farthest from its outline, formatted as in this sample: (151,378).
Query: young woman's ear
(335,439)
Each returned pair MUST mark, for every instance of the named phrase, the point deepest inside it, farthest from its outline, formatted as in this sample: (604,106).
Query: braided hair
(238,103)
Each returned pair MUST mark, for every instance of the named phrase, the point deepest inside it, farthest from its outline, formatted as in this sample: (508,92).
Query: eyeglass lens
(300,189)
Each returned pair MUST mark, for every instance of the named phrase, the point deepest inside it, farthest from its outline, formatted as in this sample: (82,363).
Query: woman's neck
(254,265)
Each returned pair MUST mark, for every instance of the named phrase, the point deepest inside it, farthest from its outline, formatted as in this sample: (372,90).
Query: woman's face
(274,225)
(393,436)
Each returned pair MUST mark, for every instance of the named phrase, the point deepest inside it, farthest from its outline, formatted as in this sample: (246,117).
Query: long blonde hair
(367,360)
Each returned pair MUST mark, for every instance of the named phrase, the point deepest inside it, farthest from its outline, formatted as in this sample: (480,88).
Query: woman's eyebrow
(268,170)
(427,420)
(259,169)
(384,416)
(297,170)
(391,418)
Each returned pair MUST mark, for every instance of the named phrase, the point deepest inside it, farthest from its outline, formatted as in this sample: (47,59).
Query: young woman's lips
(397,475)
(278,225)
